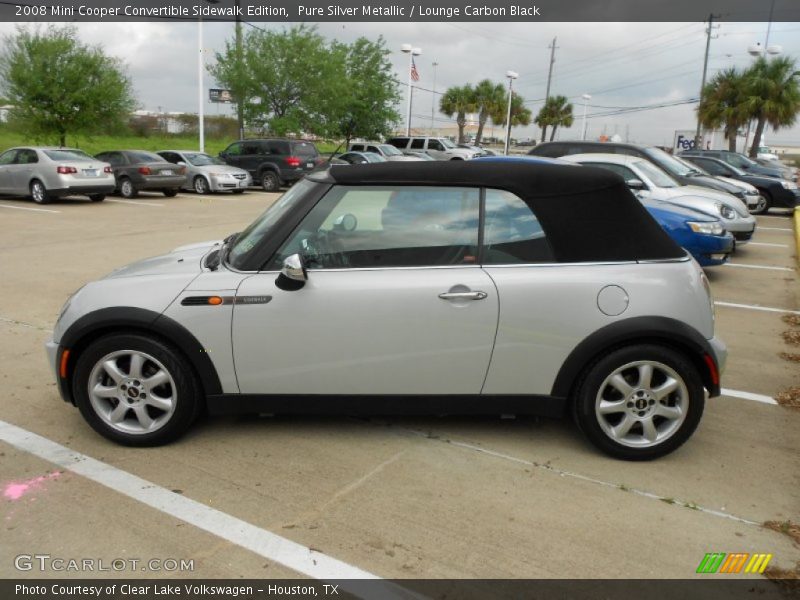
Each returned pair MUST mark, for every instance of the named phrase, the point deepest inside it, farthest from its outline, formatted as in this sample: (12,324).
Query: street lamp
(434,64)
(412,52)
(512,75)
(201,126)
(586,98)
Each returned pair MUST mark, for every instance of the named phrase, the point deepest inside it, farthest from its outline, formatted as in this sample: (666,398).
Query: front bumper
(227,184)
(712,250)
(786,198)
(54,352)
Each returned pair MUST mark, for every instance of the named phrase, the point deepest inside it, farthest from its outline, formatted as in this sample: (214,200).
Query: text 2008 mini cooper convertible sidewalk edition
(402,288)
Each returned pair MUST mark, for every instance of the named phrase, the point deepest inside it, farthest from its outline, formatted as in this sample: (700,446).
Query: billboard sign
(220,96)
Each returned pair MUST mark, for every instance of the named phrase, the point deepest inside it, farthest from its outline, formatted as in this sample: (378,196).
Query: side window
(400,143)
(381,227)
(418,144)
(234,149)
(374,149)
(170,157)
(357,147)
(435,145)
(711,166)
(27,157)
(249,148)
(7,158)
(512,233)
(115,159)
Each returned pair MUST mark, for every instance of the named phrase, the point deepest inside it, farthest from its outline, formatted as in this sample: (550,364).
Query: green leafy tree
(489,98)
(722,105)
(520,114)
(457,102)
(556,112)
(362,96)
(771,95)
(280,77)
(59,86)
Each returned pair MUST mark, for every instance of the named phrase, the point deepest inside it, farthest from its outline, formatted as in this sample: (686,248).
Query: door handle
(463,295)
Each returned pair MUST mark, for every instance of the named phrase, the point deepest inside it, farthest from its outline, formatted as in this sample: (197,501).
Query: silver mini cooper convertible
(409,288)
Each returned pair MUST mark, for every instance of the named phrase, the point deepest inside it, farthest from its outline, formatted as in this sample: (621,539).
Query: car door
(7,160)
(436,149)
(22,171)
(395,302)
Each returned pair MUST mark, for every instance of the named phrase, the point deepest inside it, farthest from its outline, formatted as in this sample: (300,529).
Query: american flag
(414,72)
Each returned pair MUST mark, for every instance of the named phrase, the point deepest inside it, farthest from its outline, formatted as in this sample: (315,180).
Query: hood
(738,183)
(713,183)
(182,260)
(220,169)
(683,191)
(658,208)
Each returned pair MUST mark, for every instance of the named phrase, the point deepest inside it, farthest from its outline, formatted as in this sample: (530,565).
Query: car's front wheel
(170,192)
(640,402)
(201,185)
(136,390)
(764,202)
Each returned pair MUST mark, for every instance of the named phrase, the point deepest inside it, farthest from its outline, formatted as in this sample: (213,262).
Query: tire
(151,414)
(170,193)
(767,204)
(639,420)
(97,197)
(127,189)
(270,181)
(39,192)
(238,191)
(200,185)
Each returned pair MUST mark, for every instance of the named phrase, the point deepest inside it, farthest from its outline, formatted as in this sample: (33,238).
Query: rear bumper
(782,197)
(157,182)
(104,188)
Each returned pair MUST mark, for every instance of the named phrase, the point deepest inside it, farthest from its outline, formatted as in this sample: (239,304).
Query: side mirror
(223,154)
(636,184)
(293,274)
(181,163)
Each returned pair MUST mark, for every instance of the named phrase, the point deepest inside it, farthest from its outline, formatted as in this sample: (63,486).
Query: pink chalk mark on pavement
(16,490)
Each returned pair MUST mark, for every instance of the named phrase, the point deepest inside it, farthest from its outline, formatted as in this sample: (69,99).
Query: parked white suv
(387,151)
(437,147)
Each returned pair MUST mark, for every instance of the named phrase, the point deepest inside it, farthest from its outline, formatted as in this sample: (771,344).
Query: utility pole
(709,31)
(239,107)
(433,94)
(549,75)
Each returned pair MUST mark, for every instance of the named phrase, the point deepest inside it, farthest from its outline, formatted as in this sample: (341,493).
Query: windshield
(145,157)
(304,149)
(68,155)
(251,237)
(447,143)
(668,163)
(737,160)
(390,150)
(201,160)
(654,174)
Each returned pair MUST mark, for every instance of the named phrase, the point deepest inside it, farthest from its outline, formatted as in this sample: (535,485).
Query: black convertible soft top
(587,213)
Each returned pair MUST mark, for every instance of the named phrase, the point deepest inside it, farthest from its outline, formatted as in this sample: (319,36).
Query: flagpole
(412,52)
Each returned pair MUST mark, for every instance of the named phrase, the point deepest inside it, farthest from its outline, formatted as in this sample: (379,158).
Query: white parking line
(775,228)
(134,202)
(769,268)
(757,307)
(765,244)
(48,210)
(750,396)
(264,543)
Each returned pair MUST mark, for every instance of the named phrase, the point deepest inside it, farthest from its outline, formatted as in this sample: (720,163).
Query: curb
(797,234)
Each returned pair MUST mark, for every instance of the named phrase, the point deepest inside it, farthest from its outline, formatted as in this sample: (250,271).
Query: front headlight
(707,227)
(726,211)
(788,185)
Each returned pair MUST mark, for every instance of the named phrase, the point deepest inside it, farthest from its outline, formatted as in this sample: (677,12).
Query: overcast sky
(619,64)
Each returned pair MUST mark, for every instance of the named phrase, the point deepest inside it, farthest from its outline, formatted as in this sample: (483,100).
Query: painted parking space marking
(750,396)
(134,202)
(271,546)
(768,245)
(757,307)
(775,229)
(765,267)
(46,210)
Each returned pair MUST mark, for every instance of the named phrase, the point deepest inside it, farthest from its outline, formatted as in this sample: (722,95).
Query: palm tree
(520,114)
(771,95)
(557,111)
(458,101)
(721,105)
(489,98)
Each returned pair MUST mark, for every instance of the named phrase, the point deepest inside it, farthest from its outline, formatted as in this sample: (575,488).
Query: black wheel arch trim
(132,319)
(662,330)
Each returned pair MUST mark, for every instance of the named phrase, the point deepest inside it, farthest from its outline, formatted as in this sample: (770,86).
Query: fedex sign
(684,140)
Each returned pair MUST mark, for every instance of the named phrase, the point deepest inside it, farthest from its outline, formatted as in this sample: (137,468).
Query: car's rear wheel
(127,189)
(170,193)
(136,390)
(39,192)
(270,181)
(201,185)
(640,402)
(97,197)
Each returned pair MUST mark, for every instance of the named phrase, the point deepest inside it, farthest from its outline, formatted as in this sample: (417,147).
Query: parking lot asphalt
(394,497)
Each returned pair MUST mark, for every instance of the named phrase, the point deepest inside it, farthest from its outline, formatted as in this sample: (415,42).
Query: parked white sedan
(206,173)
(44,173)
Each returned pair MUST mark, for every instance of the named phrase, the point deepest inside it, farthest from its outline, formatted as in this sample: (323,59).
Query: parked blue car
(703,236)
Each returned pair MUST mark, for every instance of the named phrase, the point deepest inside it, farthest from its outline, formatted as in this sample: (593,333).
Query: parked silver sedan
(206,173)
(44,173)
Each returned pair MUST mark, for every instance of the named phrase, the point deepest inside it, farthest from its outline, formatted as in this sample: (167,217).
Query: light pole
(586,98)
(433,94)
(512,75)
(412,52)
(201,126)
